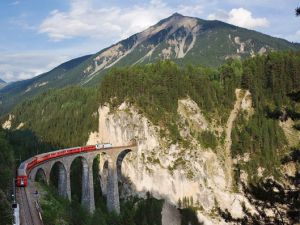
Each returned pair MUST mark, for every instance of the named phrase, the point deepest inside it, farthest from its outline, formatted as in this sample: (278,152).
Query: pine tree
(179,203)
(191,201)
(297,11)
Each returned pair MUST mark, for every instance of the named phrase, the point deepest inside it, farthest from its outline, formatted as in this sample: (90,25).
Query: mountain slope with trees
(179,38)
(155,90)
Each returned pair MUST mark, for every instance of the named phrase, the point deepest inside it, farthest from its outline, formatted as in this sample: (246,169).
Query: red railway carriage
(29,164)
(21,180)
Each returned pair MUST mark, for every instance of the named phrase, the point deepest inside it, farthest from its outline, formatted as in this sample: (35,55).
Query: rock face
(171,172)
(7,123)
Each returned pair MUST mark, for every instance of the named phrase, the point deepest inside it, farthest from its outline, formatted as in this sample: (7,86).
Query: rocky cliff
(172,171)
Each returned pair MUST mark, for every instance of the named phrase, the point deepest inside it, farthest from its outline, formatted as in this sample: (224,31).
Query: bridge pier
(68,185)
(87,196)
(113,203)
(62,181)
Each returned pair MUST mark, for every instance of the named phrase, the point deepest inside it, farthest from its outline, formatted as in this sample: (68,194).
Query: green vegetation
(273,81)
(67,116)
(155,89)
(208,139)
(134,211)
(297,11)
(6,176)
(188,211)
(63,75)
(62,117)
(189,217)
(55,208)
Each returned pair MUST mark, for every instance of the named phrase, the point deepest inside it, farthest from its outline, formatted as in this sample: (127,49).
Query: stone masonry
(64,168)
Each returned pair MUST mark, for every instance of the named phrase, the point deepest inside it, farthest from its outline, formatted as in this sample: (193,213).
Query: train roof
(23,164)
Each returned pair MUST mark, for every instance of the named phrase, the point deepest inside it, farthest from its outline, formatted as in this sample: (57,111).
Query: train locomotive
(28,165)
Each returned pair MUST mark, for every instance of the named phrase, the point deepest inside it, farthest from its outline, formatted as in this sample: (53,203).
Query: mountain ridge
(2,83)
(179,38)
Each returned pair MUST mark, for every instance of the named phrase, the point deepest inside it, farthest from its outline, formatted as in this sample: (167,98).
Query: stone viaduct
(113,157)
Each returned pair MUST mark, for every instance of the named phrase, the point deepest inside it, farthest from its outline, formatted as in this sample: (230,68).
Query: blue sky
(37,35)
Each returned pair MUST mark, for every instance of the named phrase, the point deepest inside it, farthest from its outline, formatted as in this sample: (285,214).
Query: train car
(22,179)
(99,146)
(89,148)
(107,145)
(25,167)
(32,163)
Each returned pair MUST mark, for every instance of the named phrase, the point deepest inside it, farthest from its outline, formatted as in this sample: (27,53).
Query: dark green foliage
(100,200)
(6,178)
(54,175)
(149,211)
(297,10)
(156,88)
(55,208)
(134,211)
(63,117)
(273,81)
(270,194)
(67,116)
(208,139)
(26,144)
(76,180)
(189,217)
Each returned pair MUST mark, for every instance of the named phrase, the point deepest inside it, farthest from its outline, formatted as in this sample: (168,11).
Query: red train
(29,164)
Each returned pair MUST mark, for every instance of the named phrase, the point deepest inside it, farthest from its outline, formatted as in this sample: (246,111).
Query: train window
(14,205)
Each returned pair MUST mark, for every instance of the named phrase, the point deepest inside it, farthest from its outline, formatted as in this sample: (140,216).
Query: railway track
(25,207)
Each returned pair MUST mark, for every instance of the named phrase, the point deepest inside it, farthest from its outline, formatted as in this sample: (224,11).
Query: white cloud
(239,17)
(26,65)
(83,19)
(190,10)
(295,37)
(15,3)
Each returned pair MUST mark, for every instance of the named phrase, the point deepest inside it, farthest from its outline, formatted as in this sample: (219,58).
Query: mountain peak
(176,14)
(2,81)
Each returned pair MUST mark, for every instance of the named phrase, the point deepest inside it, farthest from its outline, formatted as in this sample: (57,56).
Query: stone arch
(103,166)
(40,175)
(87,189)
(100,176)
(58,169)
(119,162)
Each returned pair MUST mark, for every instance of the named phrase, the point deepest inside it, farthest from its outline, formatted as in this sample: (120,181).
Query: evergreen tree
(297,11)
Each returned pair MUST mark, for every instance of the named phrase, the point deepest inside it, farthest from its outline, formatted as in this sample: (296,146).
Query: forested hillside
(273,81)
(67,116)
(6,177)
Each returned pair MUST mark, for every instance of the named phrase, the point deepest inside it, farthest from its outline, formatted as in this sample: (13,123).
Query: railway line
(27,218)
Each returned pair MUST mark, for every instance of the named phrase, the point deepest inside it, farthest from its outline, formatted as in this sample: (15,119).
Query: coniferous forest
(68,115)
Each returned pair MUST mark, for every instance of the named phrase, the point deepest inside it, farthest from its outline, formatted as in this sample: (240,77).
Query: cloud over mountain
(239,17)
(83,19)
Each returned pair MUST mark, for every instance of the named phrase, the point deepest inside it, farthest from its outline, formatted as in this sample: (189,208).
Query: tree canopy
(297,11)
